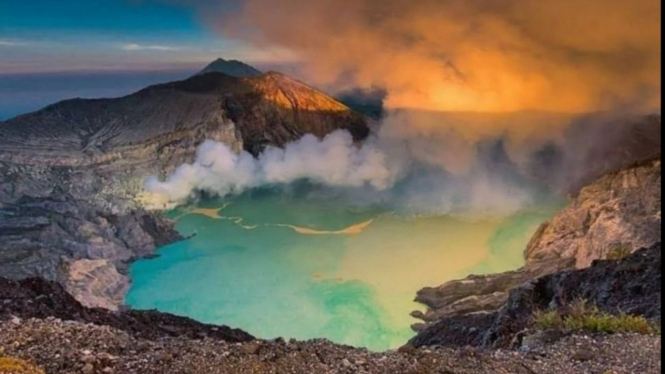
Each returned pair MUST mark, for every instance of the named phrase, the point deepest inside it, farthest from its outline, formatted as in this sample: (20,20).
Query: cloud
(468,55)
(429,163)
(474,89)
(10,43)
(333,160)
(391,168)
(144,47)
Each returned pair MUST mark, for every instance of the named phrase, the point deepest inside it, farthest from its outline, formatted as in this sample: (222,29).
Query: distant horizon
(22,93)
(52,51)
(149,35)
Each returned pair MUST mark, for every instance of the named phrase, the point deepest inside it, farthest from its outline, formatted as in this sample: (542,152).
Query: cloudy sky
(103,35)
(572,56)
(51,50)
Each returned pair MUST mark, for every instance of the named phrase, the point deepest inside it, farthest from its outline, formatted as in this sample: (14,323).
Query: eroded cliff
(612,217)
(627,285)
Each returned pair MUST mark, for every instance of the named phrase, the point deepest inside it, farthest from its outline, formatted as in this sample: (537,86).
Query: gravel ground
(70,347)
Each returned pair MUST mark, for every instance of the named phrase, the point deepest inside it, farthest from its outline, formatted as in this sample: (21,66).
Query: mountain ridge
(275,87)
(156,129)
(233,68)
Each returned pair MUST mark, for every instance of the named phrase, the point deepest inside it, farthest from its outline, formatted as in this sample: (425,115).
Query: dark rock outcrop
(631,285)
(39,298)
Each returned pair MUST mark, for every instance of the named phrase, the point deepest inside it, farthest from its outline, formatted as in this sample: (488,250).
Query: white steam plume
(421,172)
(333,160)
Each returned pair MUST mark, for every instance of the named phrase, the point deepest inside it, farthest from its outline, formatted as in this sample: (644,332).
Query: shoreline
(400,317)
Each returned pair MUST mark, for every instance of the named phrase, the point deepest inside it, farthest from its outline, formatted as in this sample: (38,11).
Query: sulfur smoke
(421,173)
(333,160)
(467,55)
(481,97)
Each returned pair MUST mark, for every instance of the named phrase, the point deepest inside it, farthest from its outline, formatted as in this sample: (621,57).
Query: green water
(354,287)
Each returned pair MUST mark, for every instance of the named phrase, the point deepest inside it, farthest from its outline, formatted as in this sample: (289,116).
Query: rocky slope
(614,216)
(631,285)
(71,174)
(620,212)
(72,347)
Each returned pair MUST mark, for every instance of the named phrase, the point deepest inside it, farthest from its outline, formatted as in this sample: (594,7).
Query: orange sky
(470,55)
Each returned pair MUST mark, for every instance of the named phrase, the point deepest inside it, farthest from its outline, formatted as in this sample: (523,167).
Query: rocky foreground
(42,323)
(59,346)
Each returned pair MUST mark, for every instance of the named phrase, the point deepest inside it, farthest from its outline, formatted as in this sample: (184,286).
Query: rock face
(620,212)
(614,216)
(631,285)
(98,282)
(71,174)
(84,247)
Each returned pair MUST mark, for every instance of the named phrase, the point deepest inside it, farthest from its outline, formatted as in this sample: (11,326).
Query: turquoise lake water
(277,265)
